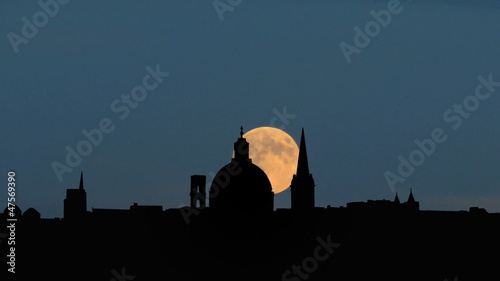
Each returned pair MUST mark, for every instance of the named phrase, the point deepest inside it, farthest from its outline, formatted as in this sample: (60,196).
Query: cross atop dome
(241,148)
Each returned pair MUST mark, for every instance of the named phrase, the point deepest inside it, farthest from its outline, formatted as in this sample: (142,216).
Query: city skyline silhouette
(250,140)
(282,73)
(237,232)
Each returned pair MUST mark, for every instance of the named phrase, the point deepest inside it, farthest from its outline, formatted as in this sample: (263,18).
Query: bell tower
(198,191)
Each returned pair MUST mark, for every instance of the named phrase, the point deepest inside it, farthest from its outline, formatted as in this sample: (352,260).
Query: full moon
(276,153)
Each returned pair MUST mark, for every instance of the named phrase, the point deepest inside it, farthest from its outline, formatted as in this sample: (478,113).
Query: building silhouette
(198,191)
(31,214)
(241,186)
(75,203)
(302,186)
(394,206)
(411,203)
(396,199)
(235,233)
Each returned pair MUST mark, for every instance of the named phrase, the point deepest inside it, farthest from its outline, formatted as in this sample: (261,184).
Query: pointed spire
(396,199)
(411,199)
(81,181)
(302,165)
(302,183)
(241,132)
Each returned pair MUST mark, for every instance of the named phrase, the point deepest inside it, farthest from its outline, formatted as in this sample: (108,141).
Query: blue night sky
(262,58)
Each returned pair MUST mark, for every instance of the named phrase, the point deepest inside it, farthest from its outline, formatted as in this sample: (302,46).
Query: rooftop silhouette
(236,233)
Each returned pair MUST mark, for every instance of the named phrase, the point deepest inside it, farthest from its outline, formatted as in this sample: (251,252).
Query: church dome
(241,185)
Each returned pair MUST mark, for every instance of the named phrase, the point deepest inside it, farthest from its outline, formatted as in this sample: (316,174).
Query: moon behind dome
(276,153)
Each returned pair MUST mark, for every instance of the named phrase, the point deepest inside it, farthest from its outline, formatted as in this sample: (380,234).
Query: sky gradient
(262,59)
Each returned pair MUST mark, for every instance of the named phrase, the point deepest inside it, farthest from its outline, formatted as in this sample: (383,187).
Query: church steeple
(303,164)
(396,199)
(81,181)
(302,187)
(411,199)
(411,203)
(241,148)
(75,203)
